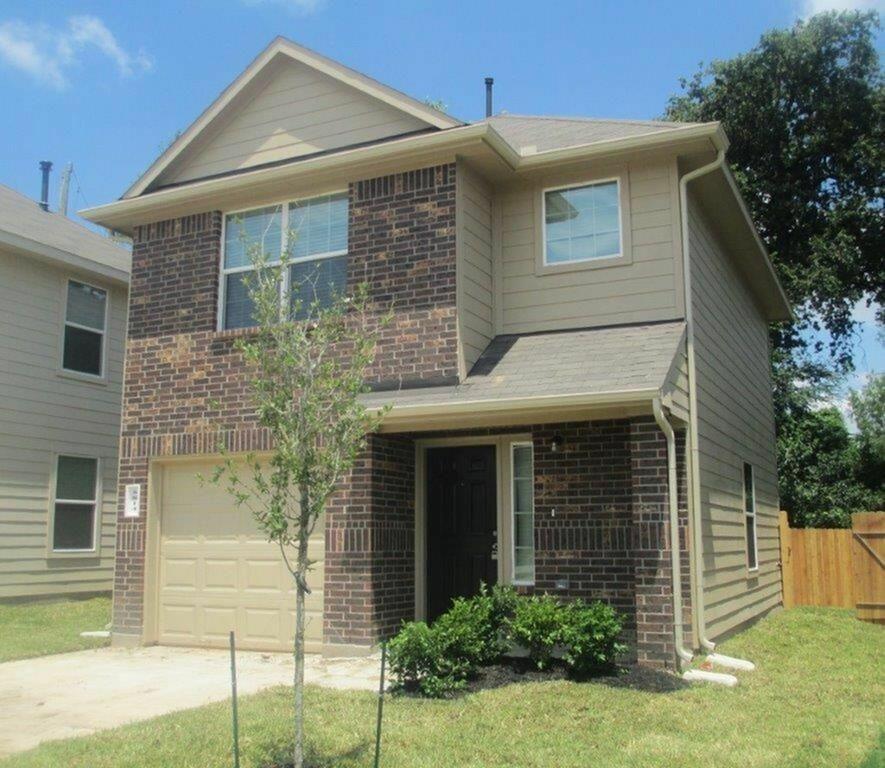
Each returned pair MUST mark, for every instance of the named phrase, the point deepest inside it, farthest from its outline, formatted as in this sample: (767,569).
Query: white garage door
(217,573)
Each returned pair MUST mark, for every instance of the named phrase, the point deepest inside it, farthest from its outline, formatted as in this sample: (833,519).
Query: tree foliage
(804,113)
(868,408)
(307,363)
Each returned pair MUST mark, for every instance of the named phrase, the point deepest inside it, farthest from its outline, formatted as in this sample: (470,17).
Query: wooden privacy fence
(841,567)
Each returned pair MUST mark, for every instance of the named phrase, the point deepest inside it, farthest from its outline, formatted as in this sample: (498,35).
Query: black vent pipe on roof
(45,168)
(490,81)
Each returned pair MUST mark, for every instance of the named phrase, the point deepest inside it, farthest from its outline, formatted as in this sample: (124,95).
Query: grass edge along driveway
(43,627)
(817,700)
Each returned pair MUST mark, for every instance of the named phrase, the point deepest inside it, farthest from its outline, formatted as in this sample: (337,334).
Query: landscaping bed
(499,635)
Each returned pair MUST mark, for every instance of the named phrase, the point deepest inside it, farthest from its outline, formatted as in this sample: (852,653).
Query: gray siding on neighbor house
(735,425)
(475,273)
(44,413)
(646,288)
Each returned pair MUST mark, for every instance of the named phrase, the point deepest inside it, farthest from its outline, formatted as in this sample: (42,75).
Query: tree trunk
(300,594)
(298,753)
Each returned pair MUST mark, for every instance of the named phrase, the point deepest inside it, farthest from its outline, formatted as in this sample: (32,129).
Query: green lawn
(44,627)
(816,700)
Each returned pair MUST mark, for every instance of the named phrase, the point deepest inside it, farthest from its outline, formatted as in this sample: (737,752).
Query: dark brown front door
(461,523)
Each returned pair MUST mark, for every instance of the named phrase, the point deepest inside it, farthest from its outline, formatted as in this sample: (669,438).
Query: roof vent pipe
(490,81)
(45,168)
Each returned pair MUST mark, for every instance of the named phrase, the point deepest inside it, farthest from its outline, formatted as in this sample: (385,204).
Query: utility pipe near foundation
(694,456)
(675,550)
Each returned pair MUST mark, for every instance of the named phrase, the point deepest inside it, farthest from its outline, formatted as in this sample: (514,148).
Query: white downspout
(694,456)
(675,563)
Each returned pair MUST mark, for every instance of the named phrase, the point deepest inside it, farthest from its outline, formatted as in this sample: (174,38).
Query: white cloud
(301,7)
(811,7)
(48,54)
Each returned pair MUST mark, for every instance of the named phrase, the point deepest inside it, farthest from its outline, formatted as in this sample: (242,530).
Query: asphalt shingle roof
(21,216)
(581,362)
(528,133)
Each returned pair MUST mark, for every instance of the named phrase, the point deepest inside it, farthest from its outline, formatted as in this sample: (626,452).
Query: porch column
(369,583)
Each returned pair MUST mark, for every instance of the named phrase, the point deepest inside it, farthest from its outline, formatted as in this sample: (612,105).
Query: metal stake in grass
(380,706)
(233,685)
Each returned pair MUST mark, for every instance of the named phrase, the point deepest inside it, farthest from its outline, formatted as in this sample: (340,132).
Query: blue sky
(107,84)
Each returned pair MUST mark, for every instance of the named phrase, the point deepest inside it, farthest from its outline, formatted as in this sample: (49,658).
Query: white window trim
(100,378)
(750,514)
(96,507)
(624,256)
(223,271)
(513,579)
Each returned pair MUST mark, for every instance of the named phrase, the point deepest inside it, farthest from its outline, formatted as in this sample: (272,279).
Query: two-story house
(578,366)
(63,293)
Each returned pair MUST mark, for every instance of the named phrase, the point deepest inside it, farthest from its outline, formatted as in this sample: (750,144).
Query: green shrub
(465,632)
(419,661)
(590,637)
(537,625)
(436,660)
(504,600)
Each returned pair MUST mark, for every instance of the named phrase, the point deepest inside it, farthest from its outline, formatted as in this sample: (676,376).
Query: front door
(461,524)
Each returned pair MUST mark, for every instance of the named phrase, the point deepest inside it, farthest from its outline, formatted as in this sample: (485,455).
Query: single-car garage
(215,572)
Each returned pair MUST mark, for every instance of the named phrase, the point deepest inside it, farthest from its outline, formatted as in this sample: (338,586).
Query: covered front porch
(568,498)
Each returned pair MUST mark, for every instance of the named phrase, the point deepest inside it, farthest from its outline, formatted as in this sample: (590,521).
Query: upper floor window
(76,501)
(85,327)
(582,223)
(313,234)
(750,515)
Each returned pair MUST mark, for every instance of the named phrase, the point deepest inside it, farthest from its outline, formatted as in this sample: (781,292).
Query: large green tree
(805,113)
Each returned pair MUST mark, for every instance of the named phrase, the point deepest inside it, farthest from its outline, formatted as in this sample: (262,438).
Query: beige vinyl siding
(735,424)
(297,112)
(43,414)
(475,282)
(645,286)
(676,394)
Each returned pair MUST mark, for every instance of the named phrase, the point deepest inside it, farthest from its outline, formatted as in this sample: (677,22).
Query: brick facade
(601,502)
(370,546)
(601,524)
(184,378)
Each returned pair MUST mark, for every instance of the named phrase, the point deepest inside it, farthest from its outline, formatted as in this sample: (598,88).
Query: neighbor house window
(582,223)
(523,514)
(750,514)
(314,235)
(85,325)
(76,491)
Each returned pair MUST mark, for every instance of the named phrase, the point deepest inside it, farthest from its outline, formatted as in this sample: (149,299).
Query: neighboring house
(63,292)
(544,339)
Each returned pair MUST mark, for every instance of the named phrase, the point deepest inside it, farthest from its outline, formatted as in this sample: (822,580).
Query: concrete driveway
(74,694)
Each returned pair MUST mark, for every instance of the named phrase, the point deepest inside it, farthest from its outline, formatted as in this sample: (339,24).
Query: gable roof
(26,227)
(602,366)
(282,49)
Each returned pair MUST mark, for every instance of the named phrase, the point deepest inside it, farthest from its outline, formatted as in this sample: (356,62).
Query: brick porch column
(369,584)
